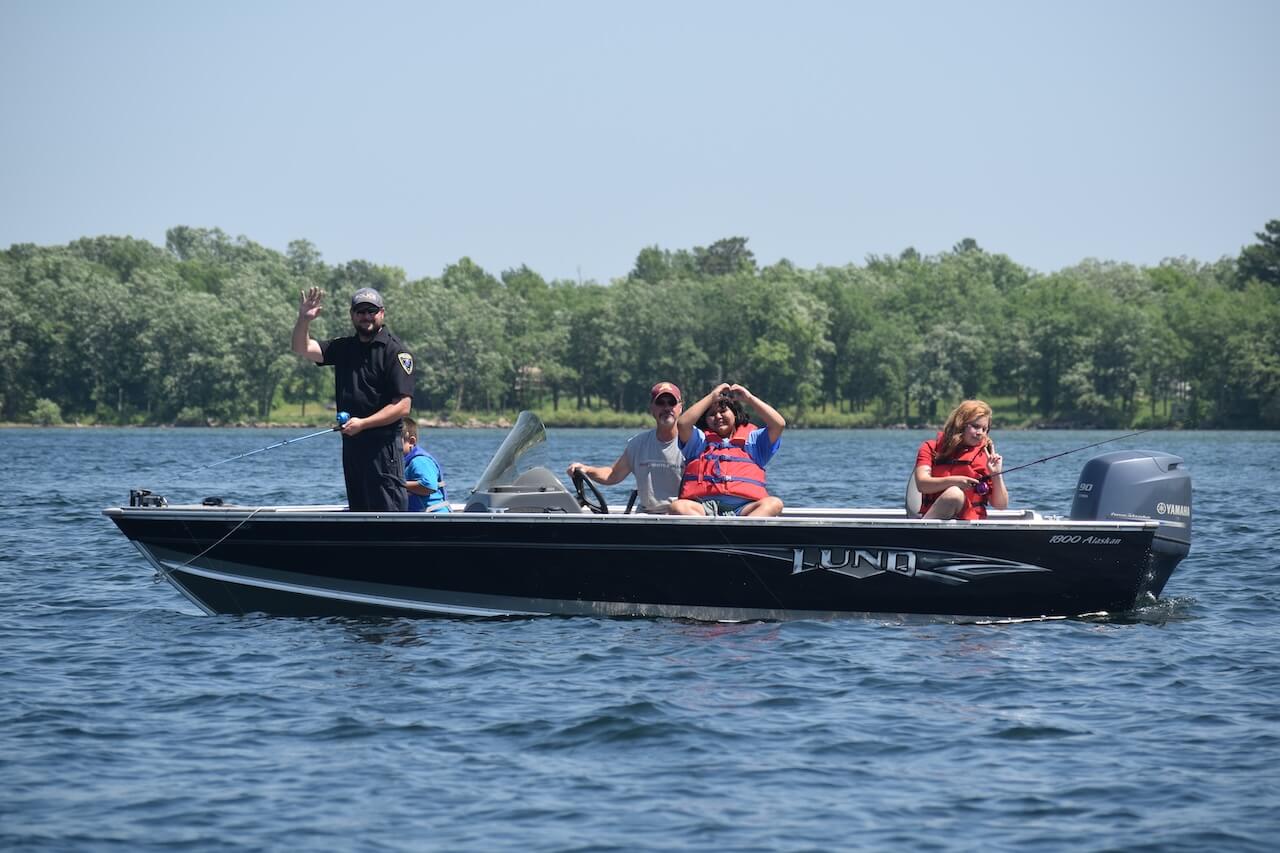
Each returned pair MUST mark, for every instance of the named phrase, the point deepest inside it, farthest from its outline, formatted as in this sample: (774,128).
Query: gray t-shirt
(658,467)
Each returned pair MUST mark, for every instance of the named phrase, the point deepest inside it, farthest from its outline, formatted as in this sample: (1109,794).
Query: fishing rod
(984,481)
(342,417)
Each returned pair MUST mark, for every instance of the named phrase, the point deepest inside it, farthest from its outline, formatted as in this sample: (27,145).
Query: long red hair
(953,429)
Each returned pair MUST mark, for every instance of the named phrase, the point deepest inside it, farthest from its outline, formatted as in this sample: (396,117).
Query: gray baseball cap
(367,295)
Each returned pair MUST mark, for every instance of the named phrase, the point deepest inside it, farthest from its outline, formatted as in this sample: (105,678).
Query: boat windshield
(505,465)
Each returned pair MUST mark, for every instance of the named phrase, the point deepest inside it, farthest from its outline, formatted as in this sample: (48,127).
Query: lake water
(128,721)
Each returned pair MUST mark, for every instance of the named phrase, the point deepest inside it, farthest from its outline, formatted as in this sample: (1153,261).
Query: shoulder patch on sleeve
(406,361)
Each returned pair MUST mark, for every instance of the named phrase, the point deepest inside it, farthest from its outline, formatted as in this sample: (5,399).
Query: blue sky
(568,136)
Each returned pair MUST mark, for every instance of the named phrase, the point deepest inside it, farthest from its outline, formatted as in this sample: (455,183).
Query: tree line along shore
(116,331)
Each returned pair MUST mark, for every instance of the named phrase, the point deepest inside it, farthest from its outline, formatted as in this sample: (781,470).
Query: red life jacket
(724,468)
(966,462)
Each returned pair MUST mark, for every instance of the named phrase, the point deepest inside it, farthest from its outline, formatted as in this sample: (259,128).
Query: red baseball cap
(664,388)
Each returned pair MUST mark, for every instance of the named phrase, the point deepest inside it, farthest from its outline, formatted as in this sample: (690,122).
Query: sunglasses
(365,310)
(665,400)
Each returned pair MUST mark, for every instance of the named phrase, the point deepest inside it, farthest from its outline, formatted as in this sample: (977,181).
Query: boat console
(535,490)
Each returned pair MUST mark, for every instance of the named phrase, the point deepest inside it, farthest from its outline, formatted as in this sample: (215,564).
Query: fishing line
(737,552)
(983,482)
(225,536)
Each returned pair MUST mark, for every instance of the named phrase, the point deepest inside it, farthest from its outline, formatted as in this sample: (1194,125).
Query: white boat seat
(913,498)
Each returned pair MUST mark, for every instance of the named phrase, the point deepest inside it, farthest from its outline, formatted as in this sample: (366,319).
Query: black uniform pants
(373,466)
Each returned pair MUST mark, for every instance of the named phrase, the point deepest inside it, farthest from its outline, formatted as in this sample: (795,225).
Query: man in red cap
(653,456)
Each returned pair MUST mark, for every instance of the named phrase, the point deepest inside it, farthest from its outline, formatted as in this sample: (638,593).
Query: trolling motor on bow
(144,497)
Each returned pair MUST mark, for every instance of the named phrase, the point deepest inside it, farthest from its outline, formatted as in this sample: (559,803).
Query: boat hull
(237,561)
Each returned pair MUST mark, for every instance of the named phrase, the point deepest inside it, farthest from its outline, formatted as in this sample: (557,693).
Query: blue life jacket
(437,501)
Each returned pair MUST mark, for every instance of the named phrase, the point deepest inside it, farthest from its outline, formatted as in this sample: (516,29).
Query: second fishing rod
(984,482)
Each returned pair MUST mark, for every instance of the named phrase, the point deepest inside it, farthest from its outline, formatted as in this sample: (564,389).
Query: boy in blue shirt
(423,477)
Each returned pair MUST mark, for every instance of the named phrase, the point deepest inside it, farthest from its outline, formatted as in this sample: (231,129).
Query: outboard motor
(1140,485)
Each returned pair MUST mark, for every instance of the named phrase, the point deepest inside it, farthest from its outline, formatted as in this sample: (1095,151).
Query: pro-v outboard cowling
(1127,485)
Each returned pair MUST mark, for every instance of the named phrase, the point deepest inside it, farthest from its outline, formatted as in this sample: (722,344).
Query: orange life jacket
(724,468)
(966,462)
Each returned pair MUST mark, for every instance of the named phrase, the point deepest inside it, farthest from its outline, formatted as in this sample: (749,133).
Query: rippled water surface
(130,721)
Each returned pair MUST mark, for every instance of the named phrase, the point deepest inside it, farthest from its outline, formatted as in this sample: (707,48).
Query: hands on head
(732,391)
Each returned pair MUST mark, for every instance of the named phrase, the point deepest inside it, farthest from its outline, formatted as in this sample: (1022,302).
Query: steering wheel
(598,506)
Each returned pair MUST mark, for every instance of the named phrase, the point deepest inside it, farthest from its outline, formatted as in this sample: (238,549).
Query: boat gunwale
(819,517)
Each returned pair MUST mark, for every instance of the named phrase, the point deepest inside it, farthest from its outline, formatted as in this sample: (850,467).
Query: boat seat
(913,498)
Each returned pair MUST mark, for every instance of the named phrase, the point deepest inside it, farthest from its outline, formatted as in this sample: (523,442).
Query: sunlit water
(129,721)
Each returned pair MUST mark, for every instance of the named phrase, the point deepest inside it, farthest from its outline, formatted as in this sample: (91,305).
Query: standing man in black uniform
(373,382)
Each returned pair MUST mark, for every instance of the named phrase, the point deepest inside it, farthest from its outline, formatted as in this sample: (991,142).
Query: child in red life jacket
(726,457)
(958,472)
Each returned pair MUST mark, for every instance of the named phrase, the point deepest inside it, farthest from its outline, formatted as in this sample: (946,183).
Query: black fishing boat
(523,544)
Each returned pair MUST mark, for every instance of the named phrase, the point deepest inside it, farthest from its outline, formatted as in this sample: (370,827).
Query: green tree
(591,324)
(469,277)
(459,347)
(15,355)
(346,279)
(1056,311)
(1261,261)
(46,413)
(123,256)
(933,371)
(1013,355)
(305,261)
(656,265)
(260,342)
(729,256)
(304,382)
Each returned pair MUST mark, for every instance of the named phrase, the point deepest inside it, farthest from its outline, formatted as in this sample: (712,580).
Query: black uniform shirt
(369,376)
